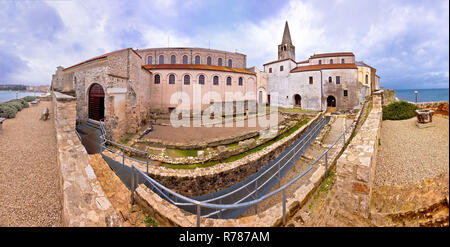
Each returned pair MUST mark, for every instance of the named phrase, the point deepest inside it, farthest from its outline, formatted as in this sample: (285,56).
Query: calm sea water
(424,95)
(8,95)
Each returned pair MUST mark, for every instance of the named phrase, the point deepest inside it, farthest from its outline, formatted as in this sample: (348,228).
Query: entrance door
(96,102)
(298,100)
(331,103)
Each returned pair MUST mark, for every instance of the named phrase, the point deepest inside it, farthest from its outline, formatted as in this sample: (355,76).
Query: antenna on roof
(209,44)
(167,41)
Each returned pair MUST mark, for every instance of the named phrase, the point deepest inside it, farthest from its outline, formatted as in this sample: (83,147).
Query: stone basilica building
(324,81)
(124,87)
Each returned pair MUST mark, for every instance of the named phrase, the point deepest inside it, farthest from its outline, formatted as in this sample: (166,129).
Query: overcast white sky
(406,41)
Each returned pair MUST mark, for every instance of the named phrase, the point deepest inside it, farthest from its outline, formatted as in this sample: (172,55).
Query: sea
(9,95)
(423,95)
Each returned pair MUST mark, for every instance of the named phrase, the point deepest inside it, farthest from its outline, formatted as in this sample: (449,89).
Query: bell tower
(286,49)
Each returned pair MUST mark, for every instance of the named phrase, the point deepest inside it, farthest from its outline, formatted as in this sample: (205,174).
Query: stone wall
(388,96)
(168,214)
(193,182)
(355,169)
(84,202)
(437,106)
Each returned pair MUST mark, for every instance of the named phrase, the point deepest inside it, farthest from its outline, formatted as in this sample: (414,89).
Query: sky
(407,41)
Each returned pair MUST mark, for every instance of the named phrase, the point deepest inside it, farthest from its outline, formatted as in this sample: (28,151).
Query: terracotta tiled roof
(197,66)
(304,61)
(276,61)
(361,63)
(325,66)
(101,56)
(336,54)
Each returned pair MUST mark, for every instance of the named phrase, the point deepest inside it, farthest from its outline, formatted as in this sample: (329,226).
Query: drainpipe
(321,90)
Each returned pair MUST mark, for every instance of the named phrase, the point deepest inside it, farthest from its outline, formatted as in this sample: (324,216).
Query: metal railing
(180,200)
(123,148)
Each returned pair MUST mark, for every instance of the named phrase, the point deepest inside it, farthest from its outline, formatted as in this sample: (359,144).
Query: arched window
(197,59)
(342,60)
(216,80)
(230,63)
(228,81)
(161,59)
(157,79)
(219,62)
(173,59)
(240,81)
(367,79)
(208,61)
(330,80)
(201,79)
(149,60)
(187,80)
(172,79)
(320,61)
(185,59)
(331,61)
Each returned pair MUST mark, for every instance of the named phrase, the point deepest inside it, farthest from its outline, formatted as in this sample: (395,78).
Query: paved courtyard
(29,181)
(198,134)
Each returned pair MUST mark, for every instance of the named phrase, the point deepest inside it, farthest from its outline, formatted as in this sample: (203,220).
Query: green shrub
(22,102)
(399,110)
(15,104)
(7,111)
(29,98)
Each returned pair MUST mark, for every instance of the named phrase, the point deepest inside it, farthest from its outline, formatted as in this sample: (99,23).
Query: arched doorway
(96,102)
(297,100)
(331,103)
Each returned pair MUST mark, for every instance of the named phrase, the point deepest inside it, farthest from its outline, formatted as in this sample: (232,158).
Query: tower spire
(286,35)
(286,49)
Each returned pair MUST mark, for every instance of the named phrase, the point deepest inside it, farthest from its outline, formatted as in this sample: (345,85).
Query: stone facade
(84,202)
(261,85)
(132,93)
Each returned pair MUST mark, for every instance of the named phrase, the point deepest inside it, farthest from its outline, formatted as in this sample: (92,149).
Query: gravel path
(29,181)
(408,154)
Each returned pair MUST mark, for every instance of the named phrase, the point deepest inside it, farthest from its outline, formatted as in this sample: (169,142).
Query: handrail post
(284,206)
(123,156)
(279,176)
(147,161)
(132,184)
(256,195)
(198,215)
(326,164)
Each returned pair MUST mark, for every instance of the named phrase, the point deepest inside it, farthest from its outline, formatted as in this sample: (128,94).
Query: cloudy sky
(406,41)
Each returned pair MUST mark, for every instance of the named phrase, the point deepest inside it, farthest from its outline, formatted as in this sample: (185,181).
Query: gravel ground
(29,181)
(408,154)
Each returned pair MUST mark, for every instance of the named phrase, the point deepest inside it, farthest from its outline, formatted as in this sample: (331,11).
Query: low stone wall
(84,202)
(355,169)
(437,106)
(422,204)
(168,214)
(193,182)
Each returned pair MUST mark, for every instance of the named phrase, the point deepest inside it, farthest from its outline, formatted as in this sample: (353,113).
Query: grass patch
(182,152)
(324,187)
(126,138)
(399,110)
(294,109)
(150,221)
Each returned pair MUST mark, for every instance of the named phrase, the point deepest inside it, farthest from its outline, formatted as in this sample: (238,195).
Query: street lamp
(416,92)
